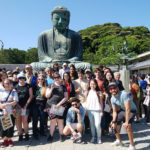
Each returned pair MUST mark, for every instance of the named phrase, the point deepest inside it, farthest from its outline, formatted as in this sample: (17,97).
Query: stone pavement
(141,134)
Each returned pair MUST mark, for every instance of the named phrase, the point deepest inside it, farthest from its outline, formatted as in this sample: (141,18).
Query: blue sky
(21,21)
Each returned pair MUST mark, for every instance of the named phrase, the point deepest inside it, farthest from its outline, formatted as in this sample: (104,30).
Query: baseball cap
(87,70)
(112,84)
(21,75)
(64,64)
(28,66)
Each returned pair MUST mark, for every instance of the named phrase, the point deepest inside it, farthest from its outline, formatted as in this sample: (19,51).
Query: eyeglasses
(113,89)
(21,78)
(74,104)
(57,77)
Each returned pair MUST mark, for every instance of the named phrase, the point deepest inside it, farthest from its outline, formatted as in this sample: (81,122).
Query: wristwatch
(114,121)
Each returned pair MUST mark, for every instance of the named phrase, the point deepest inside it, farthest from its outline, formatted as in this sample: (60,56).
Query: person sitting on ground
(75,120)
(124,110)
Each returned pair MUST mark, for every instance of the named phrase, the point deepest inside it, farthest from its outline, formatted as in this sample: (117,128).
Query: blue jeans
(95,122)
(38,111)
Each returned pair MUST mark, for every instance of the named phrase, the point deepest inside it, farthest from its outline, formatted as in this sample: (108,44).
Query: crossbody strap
(38,92)
(8,96)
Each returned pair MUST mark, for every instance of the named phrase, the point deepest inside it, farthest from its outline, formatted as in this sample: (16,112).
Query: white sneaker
(117,143)
(131,147)
(92,140)
(72,138)
(148,124)
(99,141)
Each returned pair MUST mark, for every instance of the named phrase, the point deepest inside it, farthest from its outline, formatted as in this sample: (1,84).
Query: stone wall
(12,66)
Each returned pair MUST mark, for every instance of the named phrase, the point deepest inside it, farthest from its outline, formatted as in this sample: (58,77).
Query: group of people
(74,100)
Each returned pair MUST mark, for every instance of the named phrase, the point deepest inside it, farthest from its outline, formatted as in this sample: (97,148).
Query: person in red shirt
(99,78)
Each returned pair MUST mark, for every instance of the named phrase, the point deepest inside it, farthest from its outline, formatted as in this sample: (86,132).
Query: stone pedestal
(125,77)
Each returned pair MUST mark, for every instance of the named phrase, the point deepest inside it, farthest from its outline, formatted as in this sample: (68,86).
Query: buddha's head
(60,17)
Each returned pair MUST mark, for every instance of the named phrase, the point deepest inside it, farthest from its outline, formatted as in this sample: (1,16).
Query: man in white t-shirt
(81,86)
(63,70)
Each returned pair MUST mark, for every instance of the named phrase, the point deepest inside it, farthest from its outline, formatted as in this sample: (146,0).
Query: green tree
(12,56)
(103,45)
(31,55)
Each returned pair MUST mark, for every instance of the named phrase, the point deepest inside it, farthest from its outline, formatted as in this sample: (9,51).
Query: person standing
(73,72)
(81,86)
(118,81)
(8,98)
(63,70)
(143,85)
(49,74)
(56,95)
(39,102)
(94,106)
(25,95)
(147,104)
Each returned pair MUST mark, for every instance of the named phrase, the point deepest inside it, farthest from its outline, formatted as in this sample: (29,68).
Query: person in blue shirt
(143,85)
(75,120)
(30,78)
(49,79)
(124,110)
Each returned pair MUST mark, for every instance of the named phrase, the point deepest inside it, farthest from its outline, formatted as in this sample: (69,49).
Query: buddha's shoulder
(46,32)
(74,33)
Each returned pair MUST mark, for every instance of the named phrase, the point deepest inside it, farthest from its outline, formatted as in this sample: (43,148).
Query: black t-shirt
(15,83)
(57,94)
(38,99)
(23,94)
(76,119)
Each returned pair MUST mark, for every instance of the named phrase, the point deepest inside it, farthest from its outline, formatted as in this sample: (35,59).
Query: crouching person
(124,110)
(75,121)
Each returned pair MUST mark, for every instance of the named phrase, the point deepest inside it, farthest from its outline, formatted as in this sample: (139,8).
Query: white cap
(28,66)
(87,70)
(21,75)
(64,64)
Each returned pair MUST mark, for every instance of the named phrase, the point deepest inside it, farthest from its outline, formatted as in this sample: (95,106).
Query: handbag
(107,107)
(16,110)
(6,122)
(58,112)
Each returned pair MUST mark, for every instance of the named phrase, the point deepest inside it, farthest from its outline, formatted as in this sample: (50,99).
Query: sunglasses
(21,78)
(113,89)
(41,79)
(74,104)
(57,77)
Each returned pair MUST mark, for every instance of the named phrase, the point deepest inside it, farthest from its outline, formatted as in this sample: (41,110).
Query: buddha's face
(60,20)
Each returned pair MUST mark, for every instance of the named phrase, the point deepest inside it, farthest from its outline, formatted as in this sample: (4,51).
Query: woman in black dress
(57,95)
